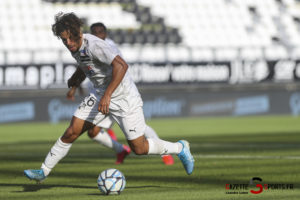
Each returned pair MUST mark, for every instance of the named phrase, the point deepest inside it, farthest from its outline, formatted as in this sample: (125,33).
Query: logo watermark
(255,186)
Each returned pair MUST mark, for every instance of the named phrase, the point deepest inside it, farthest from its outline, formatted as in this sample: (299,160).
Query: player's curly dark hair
(67,22)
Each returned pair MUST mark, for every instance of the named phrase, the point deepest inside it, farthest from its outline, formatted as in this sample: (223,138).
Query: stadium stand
(156,30)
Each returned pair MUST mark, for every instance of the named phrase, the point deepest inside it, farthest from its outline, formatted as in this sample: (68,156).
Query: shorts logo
(132,130)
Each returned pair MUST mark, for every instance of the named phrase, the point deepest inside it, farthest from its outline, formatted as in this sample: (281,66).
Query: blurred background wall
(188,57)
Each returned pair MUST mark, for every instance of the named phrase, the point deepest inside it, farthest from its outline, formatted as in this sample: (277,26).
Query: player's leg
(84,118)
(150,133)
(107,123)
(143,146)
(99,135)
(133,125)
(112,134)
(60,149)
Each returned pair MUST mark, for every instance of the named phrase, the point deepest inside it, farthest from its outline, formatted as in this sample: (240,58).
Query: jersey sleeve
(114,47)
(103,52)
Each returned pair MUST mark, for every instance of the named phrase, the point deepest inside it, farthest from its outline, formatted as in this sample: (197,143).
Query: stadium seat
(295,53)
(253,27)
(45,57)
(131,53)
(202,54)
(67,57)
(151,53)
(2,58)
(178,53)
(18,57)
(276,52)
(251,53)
(226,54)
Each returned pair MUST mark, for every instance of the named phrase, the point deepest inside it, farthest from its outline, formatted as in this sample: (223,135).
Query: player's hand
(71,82)
(71,93)
(103,106)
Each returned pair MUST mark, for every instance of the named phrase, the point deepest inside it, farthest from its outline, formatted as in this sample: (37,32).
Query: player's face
(70,42)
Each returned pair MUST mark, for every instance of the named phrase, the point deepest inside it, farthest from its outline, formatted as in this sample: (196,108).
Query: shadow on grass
(134,187)
(245,143)
(214,144)
(37,187)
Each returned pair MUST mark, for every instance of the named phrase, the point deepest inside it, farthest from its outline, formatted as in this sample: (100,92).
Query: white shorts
(106,123)
(132,123)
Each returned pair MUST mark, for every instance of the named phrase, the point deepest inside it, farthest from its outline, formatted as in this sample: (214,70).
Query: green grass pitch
(226,150)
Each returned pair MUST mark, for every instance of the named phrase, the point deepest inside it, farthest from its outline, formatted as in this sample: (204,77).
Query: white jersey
(113,45)
(115,49)
(94,58)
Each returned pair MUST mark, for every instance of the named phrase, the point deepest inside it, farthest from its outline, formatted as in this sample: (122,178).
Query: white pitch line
(264,145)
(205,156)
(246,157)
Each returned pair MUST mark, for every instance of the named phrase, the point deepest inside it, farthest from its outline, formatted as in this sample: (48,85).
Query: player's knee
(70,135)
(139,150)
(139,145)
(91,133)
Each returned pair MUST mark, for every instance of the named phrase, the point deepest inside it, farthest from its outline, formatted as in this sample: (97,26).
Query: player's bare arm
(77,78)
(71,93)
(74,82)
(119,69)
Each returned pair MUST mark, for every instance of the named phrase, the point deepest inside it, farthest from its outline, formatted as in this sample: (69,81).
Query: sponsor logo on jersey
(90,71)
(84,56)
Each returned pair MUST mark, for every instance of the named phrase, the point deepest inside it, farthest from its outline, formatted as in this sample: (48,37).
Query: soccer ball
(111,181)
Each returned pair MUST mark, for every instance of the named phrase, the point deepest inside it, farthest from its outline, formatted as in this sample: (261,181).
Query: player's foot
(35,174)
(168,159)
(186,157)
(112,134)
(121,156)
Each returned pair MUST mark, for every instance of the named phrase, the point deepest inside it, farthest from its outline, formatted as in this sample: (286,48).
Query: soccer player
(117,96)
(97,133)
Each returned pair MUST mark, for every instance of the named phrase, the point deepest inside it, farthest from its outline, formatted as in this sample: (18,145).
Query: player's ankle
(45,169)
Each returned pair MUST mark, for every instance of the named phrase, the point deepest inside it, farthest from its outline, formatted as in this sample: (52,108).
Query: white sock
(57,152)
(150,133)
(158,146)
(103,138)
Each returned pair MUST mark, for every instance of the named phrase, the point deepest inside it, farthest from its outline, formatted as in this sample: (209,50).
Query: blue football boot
(186,157)
(35,174)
